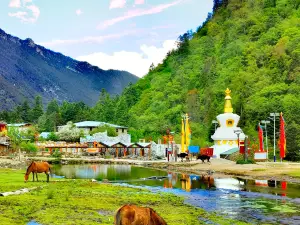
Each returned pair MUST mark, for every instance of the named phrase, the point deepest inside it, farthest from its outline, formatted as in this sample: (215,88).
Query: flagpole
(274,115)
(266,122)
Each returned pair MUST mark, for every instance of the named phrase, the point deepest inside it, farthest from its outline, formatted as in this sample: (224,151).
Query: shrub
(242,161)
(29,147)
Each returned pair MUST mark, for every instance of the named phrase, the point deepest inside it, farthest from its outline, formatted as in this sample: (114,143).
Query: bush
(29,147)
(57,155)
(242,161)
(52,137)
(111,131)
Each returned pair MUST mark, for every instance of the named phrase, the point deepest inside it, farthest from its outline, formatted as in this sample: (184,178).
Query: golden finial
(227,92)
(228,107)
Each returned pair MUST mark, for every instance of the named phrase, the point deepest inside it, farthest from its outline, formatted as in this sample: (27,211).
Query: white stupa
(225,138)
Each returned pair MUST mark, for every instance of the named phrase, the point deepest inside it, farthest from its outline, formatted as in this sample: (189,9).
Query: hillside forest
(250,46)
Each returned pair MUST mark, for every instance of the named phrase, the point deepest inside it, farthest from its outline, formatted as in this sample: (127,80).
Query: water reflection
(234,197)
(151,177)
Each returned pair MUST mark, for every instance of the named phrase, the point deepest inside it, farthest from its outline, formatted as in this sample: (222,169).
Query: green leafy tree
(70,133)
(111,131)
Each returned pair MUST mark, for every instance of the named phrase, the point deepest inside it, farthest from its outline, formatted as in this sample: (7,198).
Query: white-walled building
(225,137)
(88,126)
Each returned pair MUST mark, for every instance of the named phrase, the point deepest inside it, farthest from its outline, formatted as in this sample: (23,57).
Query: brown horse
(37,167)
(134,215)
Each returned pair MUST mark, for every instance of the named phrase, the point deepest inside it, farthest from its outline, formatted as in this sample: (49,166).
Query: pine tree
(25,111)
(37,109)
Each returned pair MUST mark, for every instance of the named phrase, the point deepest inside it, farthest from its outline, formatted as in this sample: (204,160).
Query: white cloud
(78,12)
(117,4)
(14,3)
(24,15)
(137,63)
(26,1)
(88,39)
(35,11)
(137,13)
(139,2)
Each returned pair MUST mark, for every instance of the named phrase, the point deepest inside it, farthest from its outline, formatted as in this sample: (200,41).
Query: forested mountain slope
(251,47)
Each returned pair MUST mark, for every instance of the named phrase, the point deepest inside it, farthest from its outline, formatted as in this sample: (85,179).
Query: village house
(20,126)
(4,140)
(88,126)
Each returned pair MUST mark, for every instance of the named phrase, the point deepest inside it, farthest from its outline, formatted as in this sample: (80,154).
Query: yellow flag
(187,133)
(182,136)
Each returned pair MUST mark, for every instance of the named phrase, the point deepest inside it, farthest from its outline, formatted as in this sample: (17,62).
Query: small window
(122,130)
(229,123)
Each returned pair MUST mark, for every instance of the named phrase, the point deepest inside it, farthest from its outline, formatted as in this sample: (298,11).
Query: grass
(259,169)
(295,173)
(83,202)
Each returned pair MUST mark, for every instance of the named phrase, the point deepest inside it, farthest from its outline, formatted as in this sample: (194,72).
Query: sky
(111,34)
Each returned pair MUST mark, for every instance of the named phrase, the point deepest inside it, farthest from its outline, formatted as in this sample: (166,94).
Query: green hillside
(249,46)
(252,47)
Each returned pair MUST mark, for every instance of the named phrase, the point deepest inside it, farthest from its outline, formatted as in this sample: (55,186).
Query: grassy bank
(84,202)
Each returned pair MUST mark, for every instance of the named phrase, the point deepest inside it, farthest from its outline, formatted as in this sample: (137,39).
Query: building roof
(139,145)
(230,151)
(95,124)
(44,134)
(18,124)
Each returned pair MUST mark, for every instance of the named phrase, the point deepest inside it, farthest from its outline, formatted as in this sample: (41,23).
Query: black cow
(183,155)
(203,157)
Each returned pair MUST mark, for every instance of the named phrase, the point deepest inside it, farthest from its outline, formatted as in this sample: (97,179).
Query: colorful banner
(261,138)
(182,137)
(282,139)
(194,149)
(188,133)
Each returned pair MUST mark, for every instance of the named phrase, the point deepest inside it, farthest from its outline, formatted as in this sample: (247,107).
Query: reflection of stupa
(225,138)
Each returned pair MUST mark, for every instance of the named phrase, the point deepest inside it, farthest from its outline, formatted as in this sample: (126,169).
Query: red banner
(282,139)
(261,138)
(207,151)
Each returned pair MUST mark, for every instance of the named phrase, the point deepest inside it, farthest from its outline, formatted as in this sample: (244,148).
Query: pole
(274,139)
(246,149)
(267,141)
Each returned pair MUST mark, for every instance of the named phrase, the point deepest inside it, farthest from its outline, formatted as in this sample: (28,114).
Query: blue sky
(112,34)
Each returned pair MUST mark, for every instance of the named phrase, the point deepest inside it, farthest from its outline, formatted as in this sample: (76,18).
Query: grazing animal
(203,157)
(135,215)
(37,167)
(183,155)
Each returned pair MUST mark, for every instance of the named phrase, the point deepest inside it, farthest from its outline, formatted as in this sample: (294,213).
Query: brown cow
(135,215)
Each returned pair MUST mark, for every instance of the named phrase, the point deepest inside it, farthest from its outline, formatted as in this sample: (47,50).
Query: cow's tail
(118,217)
(50,172)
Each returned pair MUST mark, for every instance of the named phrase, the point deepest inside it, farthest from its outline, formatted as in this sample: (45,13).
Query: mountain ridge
(28,69)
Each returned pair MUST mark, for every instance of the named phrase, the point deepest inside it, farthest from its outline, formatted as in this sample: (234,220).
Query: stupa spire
(228,107)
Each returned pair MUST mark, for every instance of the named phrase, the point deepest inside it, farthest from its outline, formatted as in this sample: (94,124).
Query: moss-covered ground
(85,202)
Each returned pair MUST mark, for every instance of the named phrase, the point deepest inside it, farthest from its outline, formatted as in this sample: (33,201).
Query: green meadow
(64,201)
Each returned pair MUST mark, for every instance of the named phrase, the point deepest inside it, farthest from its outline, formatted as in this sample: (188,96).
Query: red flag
(261,138)
(282,140)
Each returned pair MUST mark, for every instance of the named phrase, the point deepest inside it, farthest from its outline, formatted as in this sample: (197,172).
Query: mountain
(251,47)
(28,70)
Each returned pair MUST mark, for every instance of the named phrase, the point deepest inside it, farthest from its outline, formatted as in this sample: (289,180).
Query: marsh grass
(50,194)
(80,201)
(294,173)
(259,169)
